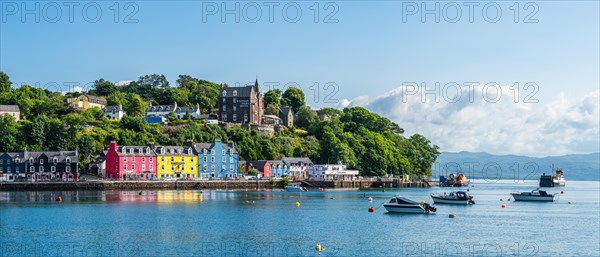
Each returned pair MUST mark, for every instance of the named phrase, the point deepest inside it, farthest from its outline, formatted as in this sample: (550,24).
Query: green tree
(136,107)
(293,97)
(103,88)
(272,97)
(306,118)
(10,132)
(5,84)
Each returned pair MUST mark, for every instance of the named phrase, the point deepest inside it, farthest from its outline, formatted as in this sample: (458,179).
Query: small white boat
(403,205)
(535,195)
(454,197)
(295,187)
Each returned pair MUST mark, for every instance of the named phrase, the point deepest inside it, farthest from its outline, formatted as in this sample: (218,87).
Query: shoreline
(195,185)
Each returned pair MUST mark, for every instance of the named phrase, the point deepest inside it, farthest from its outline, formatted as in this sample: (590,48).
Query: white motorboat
(295,187)
(535,195)
(403,205)
(454,197)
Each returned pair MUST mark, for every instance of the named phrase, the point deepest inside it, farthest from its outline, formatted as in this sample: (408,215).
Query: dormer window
(131,151)
(178,109)
(162,150)
(168,108)
(54,160)
(234,92)
(123,150)
(148,150)
(41,161)
(68,160)
(224,93)
(30,160)
(152,109)
(189,150)
(159,109)
(204,151)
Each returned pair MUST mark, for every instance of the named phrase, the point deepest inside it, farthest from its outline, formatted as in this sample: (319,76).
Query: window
(68,160)
(150,159)
(68,169)
(234,108)
(143,167)
(54,160)
(212,168)
(231,159)
(204,151)
(224,100)
(234,116)
(224,108)
(223,167)
(41,169)
(223,152)
(224,93)
(151,167)
(32,169)
(162,158)
(131,151)
(224,118)
(192,167)
(212,152)
(123,150)
(223,159)
(172,167)
(30,160)
(143,159)
(212,159)
(41,161)
(234,100)
(133,159)
(147,150)
(53,169)
(124,166)
(163,167)
(231,168)
(172,158)
(204,159)
(125,159)
(132,166)
(234,92)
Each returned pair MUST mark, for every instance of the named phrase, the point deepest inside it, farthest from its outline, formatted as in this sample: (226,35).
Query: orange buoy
(371,209)
(59,199)
(321,189)
(297,204)
(503,206)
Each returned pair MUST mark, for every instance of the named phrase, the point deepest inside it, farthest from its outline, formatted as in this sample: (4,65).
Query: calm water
(266,223)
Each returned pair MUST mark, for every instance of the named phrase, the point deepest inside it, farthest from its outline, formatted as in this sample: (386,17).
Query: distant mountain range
(515,167)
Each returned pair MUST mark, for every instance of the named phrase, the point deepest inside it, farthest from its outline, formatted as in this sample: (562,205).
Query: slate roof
(243,91)
(296,160)
(174,150)
(9,108)
(112,108)
(137,151)
(61,156)
(201,146)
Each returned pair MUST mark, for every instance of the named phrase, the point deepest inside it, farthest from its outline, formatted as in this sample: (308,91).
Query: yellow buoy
(297,204)
(201,199)
(318,248)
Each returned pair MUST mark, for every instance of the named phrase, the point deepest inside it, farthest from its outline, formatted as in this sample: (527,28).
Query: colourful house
(217,160)
(130,162)
(176,162)
(263,167)
(279,169)
(39,166)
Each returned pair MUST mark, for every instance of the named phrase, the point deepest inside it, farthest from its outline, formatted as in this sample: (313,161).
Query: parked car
(251,178)
(168,179)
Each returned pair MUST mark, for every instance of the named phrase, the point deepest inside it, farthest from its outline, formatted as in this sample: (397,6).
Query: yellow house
(86,101)
(177,162)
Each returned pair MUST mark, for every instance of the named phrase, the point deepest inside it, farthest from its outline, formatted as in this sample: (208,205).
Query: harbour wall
(195,185)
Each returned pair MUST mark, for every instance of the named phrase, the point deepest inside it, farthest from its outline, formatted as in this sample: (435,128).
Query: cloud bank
(476,119)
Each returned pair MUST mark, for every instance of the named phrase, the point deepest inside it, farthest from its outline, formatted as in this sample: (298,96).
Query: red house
(130,162)
(263,167)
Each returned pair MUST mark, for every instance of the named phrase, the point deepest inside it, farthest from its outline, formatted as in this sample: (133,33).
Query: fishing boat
(535,195)
(400,204)
(295,187)
(558,180)
(454,197)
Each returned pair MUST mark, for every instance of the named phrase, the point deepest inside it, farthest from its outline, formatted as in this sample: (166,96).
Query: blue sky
(369,52)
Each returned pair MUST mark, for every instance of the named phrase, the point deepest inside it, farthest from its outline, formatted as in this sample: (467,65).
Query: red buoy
(371,209)
(569,202)
(503,206)
(59,199)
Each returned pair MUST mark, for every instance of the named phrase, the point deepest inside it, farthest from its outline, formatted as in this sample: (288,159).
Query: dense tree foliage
(353,136)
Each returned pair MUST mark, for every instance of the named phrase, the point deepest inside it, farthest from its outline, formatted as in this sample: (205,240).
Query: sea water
(268,223)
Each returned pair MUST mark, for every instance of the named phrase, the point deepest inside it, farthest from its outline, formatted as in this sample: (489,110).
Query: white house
(114,112)
(299,166)
(323,172)
(179,111)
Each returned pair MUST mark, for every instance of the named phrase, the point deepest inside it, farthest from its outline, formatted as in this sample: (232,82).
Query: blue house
(217,160)
(12,166)
(279,169)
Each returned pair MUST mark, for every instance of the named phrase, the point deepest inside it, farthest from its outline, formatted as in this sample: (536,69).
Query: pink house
(11,110)
(130,162)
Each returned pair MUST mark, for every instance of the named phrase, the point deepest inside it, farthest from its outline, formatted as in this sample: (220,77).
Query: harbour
(268,223)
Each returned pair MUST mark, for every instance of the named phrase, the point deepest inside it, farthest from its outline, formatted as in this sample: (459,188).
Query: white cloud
(476,122)
(123,82)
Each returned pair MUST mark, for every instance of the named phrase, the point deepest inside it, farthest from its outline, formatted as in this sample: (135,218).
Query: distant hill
(515,167)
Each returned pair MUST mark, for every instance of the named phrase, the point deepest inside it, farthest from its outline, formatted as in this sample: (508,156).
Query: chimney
(151,145)
(231,144)
(112,146)
(189,143)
